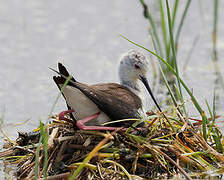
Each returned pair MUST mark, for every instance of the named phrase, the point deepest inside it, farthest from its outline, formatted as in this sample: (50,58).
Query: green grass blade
(212,119)
(164,30)
(213,105)
(36,168)
(173,22)
(168,87)
(153,41)
(182,22)
(44,134)
(154,30)
(166,83)
(217,138)
(209,110)
(215,20)
(204,126)
(165,80)
(172,43)
(44,140)
(174,12)
(174,52)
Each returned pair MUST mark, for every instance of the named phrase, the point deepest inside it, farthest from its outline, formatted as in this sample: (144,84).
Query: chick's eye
(137,66)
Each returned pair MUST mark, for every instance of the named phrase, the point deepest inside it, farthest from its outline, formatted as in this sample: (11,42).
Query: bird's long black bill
(145,82)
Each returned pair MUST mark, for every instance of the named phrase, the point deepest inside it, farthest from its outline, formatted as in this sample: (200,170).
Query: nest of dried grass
(156,151)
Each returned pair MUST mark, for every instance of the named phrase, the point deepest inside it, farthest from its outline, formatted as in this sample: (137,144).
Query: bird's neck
(131,85)
(129,80)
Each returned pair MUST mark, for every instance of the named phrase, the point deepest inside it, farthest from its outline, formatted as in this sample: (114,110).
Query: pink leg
(62,114)
(81,124)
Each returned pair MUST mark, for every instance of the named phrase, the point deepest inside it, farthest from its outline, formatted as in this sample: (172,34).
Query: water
(37,34)
(84,36)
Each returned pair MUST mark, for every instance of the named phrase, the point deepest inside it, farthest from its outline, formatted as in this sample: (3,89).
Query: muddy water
(84,35)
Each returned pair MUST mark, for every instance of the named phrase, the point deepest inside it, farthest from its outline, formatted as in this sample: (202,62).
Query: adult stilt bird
(93,105)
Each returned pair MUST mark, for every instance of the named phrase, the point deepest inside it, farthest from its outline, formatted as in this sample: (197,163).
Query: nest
(164,148)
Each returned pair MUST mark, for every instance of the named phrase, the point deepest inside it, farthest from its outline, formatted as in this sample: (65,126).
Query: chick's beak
(145,82)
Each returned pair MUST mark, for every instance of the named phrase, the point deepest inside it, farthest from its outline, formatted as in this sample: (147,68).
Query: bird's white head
(133,66)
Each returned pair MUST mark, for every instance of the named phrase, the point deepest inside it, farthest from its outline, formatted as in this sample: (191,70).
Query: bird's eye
(137,66)
(136,56)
